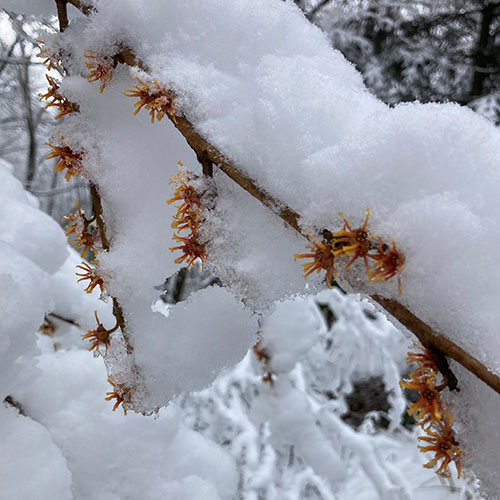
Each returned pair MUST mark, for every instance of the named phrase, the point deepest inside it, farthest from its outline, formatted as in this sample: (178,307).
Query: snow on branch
(207,152)
(293,125)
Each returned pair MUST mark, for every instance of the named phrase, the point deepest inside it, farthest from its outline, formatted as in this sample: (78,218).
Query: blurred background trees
(441,50)
(25,124)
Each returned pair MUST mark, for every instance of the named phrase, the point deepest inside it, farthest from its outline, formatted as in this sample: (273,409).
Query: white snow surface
(70,445)
(264,86)
(32,466)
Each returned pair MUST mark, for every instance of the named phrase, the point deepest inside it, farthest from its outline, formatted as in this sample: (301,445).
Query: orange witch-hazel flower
(355,242)
(428,409)
(322,259)
(120,393)
(188,212)
(75,221)
(99,336)
(191,250)
(67,159)
(445,448)
(430,413)
(101,68)
(85,241)
(153,98)
(389,261)
(55,99)
(425,361)
(80,231)
(51,59)
(187,218)
(89,273)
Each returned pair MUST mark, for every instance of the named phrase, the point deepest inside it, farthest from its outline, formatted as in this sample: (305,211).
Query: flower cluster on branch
(87,234)
(67,159)
(430,413)
(55,99)
(356,244)
(152,97)
(100,68)
(81,232)
(187,218)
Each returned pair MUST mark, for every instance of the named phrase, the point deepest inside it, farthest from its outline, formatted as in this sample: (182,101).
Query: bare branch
(62,14)
(312,13)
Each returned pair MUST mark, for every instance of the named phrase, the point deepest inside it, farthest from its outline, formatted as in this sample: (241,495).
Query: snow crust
(27,474)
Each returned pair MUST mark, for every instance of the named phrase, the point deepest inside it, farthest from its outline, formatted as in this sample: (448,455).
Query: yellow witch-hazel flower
(101,68)
(152,97)
(355,242)
(67,159)
(55,99)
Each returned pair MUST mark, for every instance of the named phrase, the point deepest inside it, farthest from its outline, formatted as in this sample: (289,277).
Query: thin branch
(14,60)
(101,226)
(96,199)
(62,14)
(12,402)
(310,15)
(54,192)
(429,338)
(62,318)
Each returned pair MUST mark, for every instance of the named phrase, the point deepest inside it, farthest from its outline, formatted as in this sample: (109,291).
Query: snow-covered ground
(239,438)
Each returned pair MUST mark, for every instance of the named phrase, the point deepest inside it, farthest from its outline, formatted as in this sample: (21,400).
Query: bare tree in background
(25,124)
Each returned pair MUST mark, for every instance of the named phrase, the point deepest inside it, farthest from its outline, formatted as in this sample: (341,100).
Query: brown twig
(61,318)
(12,402)
(101,226)
(94,193)
(430,339)
(421,330)
(62,14)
